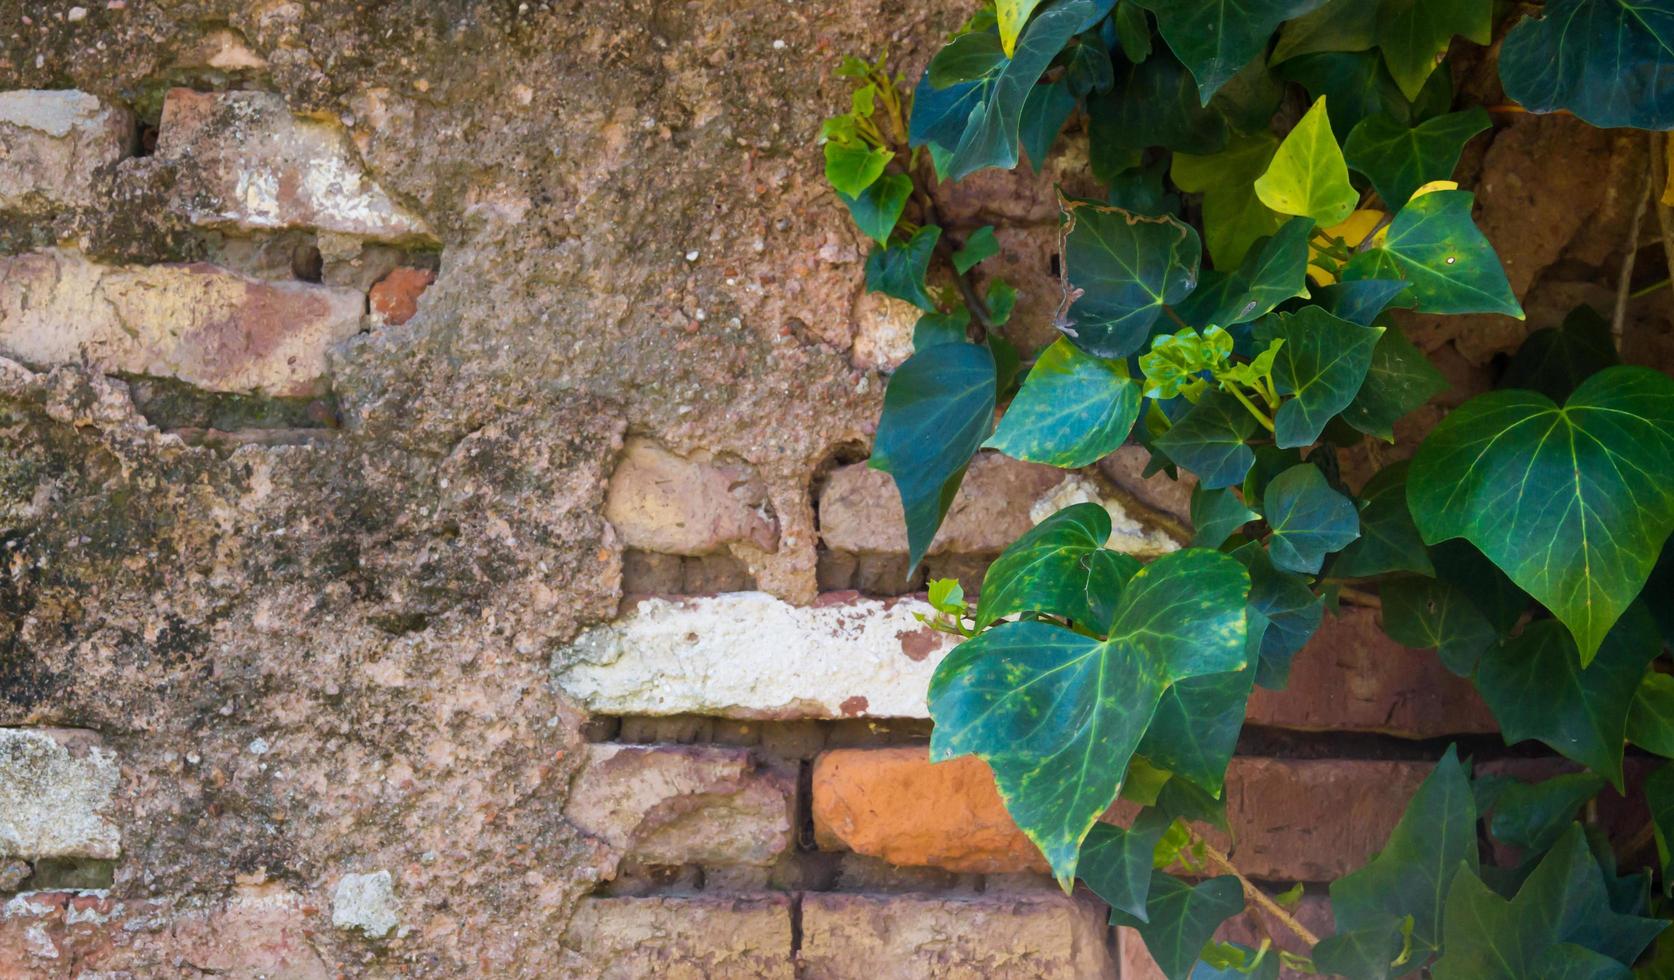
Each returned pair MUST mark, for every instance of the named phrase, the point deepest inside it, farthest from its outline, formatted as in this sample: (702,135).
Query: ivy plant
(1276,183)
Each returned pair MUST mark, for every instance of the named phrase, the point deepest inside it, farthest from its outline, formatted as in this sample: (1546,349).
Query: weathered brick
(249,163)
(1000,499)
(204,325)
(684,938)
(52,142)
(683,804)
(1038,935)
(750,655)
(1291,819)
(394,298)
(55,794)
(661,502)
(1352,677)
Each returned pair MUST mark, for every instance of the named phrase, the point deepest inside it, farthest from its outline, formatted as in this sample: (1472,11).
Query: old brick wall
(435,538)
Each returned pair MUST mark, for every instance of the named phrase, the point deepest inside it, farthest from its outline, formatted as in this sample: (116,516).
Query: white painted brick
(750,655)
(55,794)
(52,141)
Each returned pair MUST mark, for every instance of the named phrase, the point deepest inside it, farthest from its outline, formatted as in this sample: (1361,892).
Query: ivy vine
(1278,179)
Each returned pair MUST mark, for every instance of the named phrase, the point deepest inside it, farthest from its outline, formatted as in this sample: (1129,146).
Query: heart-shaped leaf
(1073,409)
(1196,726)
(1366,953)
(1210,440)
(1573,503)
(1309,519)
(1414,35)
(851,167)
(1322,364)
(1435,247)
(1217,38)
(1537,688)
(1400,379)
(1178,617)
(901,270)
(1122,269)
(1607,61)
(1307,175)
(1181,918)
(938,408)
(1427,614)
(879,206)
(1400,159)
(1116,861)
(1046,570)
(1267,278)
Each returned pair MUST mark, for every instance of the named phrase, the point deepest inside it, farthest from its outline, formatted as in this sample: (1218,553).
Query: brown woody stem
(1255,894)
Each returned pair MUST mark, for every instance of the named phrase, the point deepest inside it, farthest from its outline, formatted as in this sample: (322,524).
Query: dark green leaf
(1537,689)
(1388,540)
(1434,840)
(990,135)
(1573,503)
(1215,38)
(966,58)
(901,269)
(1461,565)
(941,328)
(1607,61)
(1534,815)
(1234,218)
(979,245)
(1152,104)
(851,167)
(938,408)
(1127,267)
(1567,961)
(1196,727)
(1045,111)
(1425,613)
(1400,379)
(1659,798)
(1216,514)
(1133,31)
(1564,901)
(1107,573)
(1364,953)
(1661,582)
(1073,409)
(1341,25)
(939,115)
(1182,918)
(1555,360)
(1355,85)
(1309,519)
(1250,98)
(1210,441)
(879,206)
(1360,300)
(1182,799)
(1088,68)
(1651,719)
(1046,570)
(1267,278)
(1116,862)
(1414,35)
(1290,609)
(1142,191)
(1437,249)
(1057,715)
(1399,160)
(1323,363)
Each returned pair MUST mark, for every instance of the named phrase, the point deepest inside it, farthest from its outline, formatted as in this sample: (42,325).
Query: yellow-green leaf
(1308,175)
(1012,15)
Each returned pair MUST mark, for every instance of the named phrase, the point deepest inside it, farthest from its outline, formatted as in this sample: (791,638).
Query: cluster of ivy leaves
(1277,180)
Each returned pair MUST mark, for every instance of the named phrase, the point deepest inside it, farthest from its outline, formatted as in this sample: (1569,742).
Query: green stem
(1648,290)
(1260,416)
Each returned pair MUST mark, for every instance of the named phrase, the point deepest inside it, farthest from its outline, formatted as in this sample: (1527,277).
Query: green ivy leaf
(1308,518)
(1505,471)
(1399,160)
(1365,953)
(1564,901)
(1216,38)
(1133,31)
(1536,688)
(1651,719)
(1210,440)
(966,58)
(1360,300)
(1267,278)
(1087,67)
(1414,35)
(941,328)
(980,244)
(1073,409)
(1323,364)
(939,115)
(1152,104)
(1607,61)
(1439,251)
(1141,190)
(1045,111)
(1178,617)
(1307,175)
(1010,16)
(1426,614)
(879,206)
(1234,218)
(1400,379)
(1461,565)
(938,408)
(1434,840)
(1555,360)
(1127,267)
(1196,726)
(1533,816)
(1289,608)
(1388,541)
(1341,25)
(1355,85)
(1234,961)
(1116,861)
(851,167)
(1046,570)
(1659,798)
(1216,514)
(1182,918)
(900,270)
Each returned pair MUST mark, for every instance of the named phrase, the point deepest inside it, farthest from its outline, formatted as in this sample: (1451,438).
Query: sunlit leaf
(1073,409)
(1234,218)
(1307,176)
(851,167)
(1434,245)
(1046,570)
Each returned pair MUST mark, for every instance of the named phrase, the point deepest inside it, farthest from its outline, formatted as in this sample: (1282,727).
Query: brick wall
(435,531)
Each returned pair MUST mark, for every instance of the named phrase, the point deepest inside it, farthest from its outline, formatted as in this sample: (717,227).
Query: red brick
(1352,677)
(684,938)
(395,297)
(1292,820)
